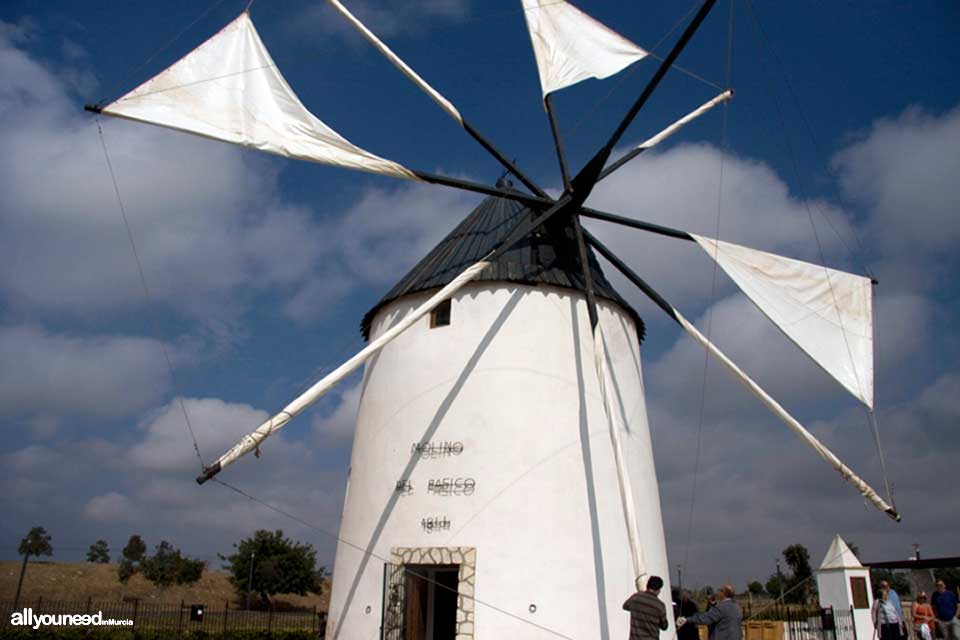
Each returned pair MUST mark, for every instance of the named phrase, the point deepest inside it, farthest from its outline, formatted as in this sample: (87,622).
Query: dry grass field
(82,580)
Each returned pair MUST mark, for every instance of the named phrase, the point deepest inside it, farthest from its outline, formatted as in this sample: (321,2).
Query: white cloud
(337,427)
(204,236)
(109,507)
(378,239)
(388,231)
(47,377)
(218,425)
(904,171)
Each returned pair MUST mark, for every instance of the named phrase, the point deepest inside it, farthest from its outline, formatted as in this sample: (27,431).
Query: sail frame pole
(600,365)
(845,472)
(557,141)
(253,440)
(435,95)
(666,133)
(586,179)
(636,224)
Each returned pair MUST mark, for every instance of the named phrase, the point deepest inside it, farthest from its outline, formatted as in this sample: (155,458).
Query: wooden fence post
(226,610)
(180,620)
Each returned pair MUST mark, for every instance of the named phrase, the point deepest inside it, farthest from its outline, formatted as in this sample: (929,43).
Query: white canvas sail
(570,46)
(229,89)
(827,313)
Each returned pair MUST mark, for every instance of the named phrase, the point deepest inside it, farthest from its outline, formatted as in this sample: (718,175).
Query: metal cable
(146,293)
(163,48)
(795,163)
(371,554)
(713,288)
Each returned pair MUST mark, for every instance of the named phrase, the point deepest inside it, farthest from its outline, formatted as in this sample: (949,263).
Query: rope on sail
(146,292)
(163,48)
(623,478)
(871,414)
(872,418)
(771,49)
(865,490)
(713,283)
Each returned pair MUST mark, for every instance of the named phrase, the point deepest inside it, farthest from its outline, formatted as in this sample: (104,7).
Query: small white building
(483,461)
(844,584)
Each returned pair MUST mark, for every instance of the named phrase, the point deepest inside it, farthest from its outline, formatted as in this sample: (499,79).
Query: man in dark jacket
(725,620)
(687,608)
(647,613)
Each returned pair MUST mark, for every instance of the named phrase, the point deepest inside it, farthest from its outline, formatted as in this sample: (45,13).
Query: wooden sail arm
(600,364)
(252,441)
(435,95)
(846,473)
(586,179)
(653,141)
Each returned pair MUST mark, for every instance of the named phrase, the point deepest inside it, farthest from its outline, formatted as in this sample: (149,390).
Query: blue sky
(260,269)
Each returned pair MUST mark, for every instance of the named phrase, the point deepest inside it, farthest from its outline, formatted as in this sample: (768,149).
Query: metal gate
(820,624)
(392,618)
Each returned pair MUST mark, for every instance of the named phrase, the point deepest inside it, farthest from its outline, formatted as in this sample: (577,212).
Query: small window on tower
(440,316)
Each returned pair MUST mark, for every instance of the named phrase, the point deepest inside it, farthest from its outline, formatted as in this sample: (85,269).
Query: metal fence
(821,624)
(175,617)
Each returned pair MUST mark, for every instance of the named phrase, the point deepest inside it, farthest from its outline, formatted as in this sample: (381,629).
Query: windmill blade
(603,374)
(666,133)
(586,179)
(570,46)
(845,472)
(826,312)
(865,490)
(253,440)
(658,229)
(230,89)
(435,95)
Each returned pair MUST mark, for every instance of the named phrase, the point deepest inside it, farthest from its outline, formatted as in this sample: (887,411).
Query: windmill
(467,477)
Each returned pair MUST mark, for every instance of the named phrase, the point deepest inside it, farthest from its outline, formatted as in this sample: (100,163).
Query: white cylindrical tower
(483,500)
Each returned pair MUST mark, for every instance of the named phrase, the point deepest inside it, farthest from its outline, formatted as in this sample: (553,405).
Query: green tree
(774,586)
(755,588)
(898,581)
(37,543)
(167,566)
(99,552)
(855,549)
(950,575)
(269,563)
(798,587)
(131,559)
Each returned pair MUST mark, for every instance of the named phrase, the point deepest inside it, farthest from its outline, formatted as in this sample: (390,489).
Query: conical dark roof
(549,256)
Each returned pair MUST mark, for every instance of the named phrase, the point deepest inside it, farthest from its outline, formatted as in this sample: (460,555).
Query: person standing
(944,605)
(923,617)
(725,619)
(895,599)
(647,613)
(687,608)
(885,616)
